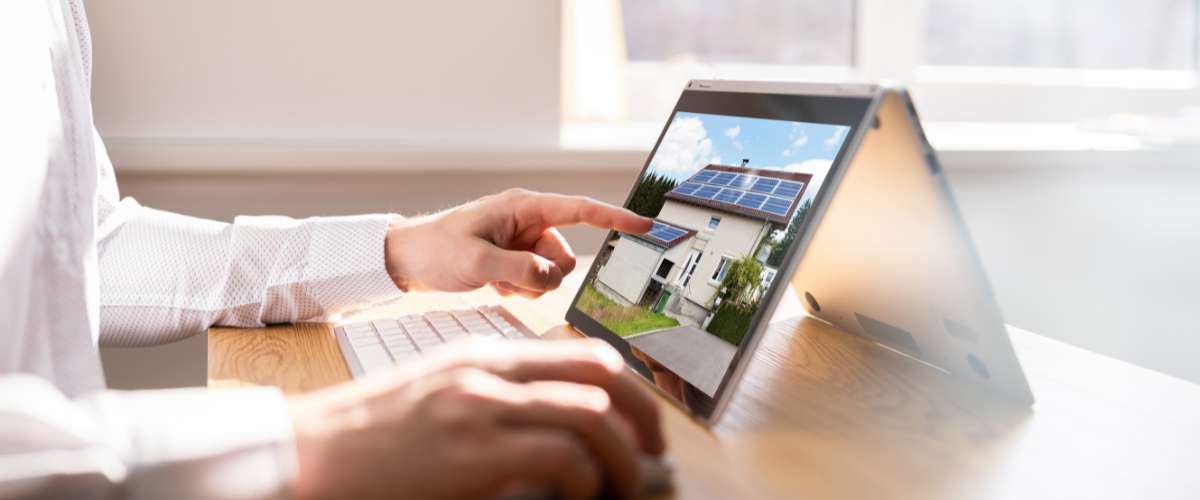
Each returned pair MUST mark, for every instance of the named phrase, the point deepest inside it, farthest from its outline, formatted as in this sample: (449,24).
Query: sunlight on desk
(823,414)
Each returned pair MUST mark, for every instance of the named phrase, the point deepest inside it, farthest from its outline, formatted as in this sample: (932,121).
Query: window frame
(670,267)
(766,282)
(711,226)
(689,267)
(887,47)
(718,274)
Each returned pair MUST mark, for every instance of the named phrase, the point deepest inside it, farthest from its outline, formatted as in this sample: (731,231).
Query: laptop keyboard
(374,345)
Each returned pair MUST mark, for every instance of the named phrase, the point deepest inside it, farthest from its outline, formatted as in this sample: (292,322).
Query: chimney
(745,161)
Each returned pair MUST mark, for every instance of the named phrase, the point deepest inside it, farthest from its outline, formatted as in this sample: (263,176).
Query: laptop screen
(730,186)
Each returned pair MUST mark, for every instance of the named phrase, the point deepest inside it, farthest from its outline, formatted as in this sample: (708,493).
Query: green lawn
(621,320)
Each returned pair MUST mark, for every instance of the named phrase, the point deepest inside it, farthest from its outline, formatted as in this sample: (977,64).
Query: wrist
(394,252)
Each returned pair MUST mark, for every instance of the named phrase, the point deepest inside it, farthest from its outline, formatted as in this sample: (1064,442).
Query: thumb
(524,269)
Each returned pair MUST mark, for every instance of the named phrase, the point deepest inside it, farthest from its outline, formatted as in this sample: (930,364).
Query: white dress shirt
(79,269)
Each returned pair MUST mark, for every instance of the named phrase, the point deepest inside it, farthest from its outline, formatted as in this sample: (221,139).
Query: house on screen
(716,217)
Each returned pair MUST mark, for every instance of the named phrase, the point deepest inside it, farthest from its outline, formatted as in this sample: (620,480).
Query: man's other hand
(507,240)
(480,420)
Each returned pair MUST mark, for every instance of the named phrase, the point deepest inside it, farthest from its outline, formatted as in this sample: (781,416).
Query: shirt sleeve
(179,443)
(166,276)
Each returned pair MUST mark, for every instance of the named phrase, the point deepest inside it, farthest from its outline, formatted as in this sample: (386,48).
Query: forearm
(166,276)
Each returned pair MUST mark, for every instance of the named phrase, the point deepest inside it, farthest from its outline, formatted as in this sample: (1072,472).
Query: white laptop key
(373,358)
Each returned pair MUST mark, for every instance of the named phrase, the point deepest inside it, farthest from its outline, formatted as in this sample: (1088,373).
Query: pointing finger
(551,210)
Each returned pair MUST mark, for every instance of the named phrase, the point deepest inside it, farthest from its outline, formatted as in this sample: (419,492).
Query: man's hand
(483,420)
(506,240)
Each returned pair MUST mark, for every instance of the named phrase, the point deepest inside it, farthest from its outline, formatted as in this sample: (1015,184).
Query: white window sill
(616,147)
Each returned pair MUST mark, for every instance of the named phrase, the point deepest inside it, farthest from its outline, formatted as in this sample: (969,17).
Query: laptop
(752,186)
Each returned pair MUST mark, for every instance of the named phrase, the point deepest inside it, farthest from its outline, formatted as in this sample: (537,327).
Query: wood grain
(824,414)
(299,357)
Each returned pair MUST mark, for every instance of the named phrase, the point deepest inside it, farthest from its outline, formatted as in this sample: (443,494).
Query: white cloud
(810,166)
(799,142)
(732,133)
(685,148)
(836,138)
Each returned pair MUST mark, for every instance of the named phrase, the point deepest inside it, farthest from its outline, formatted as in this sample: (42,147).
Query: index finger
(562,210)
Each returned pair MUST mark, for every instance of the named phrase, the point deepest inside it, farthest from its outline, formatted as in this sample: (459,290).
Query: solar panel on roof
(687,188)
(742,180)
(704,176)
(723,179)
(706,192)
(788,188)
(664,233)
(670,233)
(764,185)
(751,200)
(729,195)
(777,206)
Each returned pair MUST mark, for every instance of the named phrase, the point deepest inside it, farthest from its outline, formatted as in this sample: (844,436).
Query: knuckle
(456,402)
(599,398)
(461,383)
(515,193)
(538,275)
(561,451)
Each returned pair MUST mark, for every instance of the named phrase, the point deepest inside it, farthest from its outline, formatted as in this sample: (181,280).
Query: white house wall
(629,268)
(734,237)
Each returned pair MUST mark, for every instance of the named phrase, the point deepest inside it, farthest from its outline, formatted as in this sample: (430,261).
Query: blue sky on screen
(694,140)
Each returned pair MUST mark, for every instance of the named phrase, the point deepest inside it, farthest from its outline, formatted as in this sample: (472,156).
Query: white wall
(402,71)
(734,237)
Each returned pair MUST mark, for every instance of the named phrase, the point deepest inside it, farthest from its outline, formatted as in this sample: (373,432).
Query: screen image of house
(690,285)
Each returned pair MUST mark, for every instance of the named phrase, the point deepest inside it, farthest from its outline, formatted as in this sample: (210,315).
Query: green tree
(649,196)
(742,277)
(780,248)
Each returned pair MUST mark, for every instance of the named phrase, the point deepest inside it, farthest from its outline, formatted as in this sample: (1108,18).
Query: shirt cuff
(202,443)
(346,267)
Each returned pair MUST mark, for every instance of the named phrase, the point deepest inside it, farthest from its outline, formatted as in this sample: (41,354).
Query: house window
(664,268)
(689,267)
(713,222)
(767,277)
(722,267)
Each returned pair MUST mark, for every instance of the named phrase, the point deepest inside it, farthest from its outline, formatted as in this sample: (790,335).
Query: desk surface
(822,414)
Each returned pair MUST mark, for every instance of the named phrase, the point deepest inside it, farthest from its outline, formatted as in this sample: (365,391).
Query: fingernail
(610,357)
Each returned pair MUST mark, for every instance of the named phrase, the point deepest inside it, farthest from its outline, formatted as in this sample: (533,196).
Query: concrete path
(701,358)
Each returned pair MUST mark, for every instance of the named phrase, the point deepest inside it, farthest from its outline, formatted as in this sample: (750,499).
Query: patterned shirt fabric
(81,268)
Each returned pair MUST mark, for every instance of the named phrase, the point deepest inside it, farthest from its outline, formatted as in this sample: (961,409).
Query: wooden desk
(822,414)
